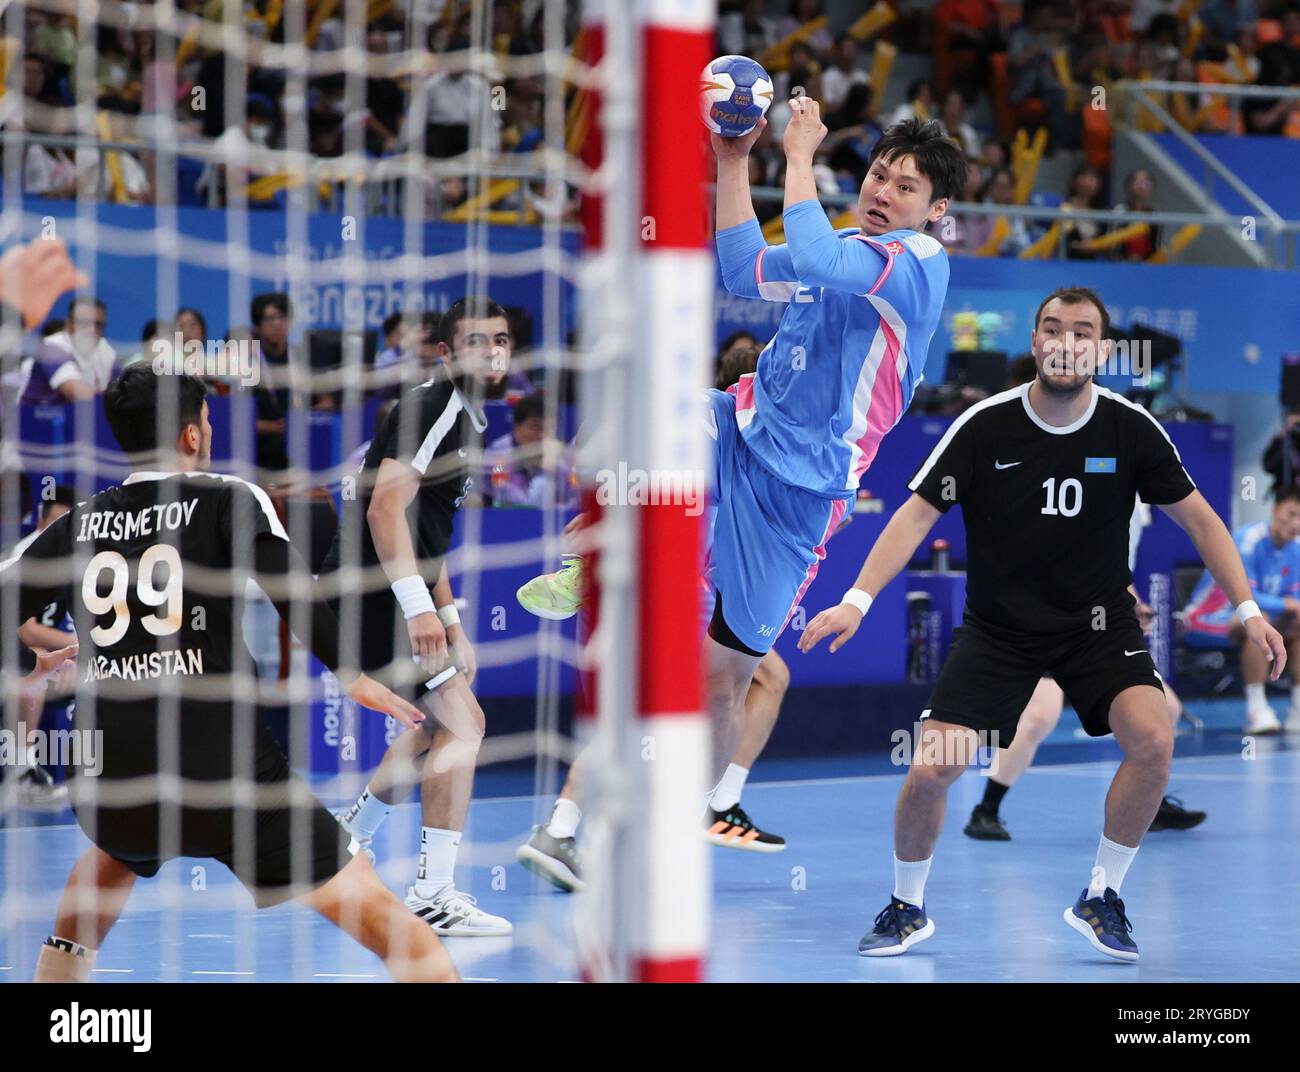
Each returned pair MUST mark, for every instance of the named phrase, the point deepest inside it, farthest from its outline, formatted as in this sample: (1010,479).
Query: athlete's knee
(773,674)
(931,774)
(1152,743)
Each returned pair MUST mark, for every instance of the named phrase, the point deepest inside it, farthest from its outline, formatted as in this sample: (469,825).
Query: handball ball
(735,92)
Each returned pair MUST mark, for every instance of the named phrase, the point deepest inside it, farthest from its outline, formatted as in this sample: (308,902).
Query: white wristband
(856,597)
(1247,610)
(449,615)
(413,595)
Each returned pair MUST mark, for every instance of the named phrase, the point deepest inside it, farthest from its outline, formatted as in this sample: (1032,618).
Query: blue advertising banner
(506,262)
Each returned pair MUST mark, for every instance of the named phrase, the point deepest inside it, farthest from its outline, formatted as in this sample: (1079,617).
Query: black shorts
(373,637)
(271,831)
(991,673)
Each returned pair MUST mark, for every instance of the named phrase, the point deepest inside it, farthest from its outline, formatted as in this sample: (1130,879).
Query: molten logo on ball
(735,92)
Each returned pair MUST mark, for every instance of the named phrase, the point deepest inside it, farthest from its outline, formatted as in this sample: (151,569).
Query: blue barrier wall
(1267,165)
(129,279)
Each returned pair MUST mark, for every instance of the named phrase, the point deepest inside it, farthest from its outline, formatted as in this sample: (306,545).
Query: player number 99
(170,595)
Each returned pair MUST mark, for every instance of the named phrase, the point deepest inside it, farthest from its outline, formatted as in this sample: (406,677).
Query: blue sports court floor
(797,915)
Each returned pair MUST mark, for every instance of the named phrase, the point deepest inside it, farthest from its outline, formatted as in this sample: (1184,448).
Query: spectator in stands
(526,468)
(153,331)
(734,363)
(1145,10)
(966,34)
(1031,50)
(1271,554)
(274,393)
(919,104)
(966,232)
(1282,455)
(1139,188)
(842,74)
(953,118)
(737,340)
(1085,193)
(1001,190)
(410,349)
(798,15)
(458,111)
(854,131)
(1268,115)
(1222,21)
(75,364)
(192,325)
(385,102)
(744,28)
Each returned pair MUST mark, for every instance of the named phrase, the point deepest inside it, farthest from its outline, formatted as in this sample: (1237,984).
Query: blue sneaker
(899,927)
(1102,921)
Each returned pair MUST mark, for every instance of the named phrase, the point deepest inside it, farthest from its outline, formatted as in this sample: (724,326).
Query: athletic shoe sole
(726,841)
(1079,925)
(556,872)
(544,612)
(1157,827)
(903,946)
(971,832)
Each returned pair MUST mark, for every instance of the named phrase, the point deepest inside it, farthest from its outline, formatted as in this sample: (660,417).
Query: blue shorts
(766,538)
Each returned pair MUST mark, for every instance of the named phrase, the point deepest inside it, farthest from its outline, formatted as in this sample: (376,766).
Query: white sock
(367,815)
(909,880)
(565,817)
(437,859)
(727,792)
(1256,698)
(1111,866)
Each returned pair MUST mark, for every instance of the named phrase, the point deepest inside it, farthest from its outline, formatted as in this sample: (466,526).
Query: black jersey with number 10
(1047,509)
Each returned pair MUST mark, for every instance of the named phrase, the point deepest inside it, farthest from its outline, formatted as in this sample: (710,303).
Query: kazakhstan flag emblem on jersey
(1098,465)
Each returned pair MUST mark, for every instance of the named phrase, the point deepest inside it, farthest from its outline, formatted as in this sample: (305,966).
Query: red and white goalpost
(648,333)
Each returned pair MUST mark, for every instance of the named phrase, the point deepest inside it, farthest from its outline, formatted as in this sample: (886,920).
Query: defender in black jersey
(152,572)
(388,553)
(1046,476)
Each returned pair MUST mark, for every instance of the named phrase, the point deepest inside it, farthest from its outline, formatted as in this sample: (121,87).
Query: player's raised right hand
(736,148)
(840,622)
(428,642)
(370,693)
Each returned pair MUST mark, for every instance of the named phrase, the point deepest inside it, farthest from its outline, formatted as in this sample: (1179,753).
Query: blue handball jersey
(1273,572)
(850,349)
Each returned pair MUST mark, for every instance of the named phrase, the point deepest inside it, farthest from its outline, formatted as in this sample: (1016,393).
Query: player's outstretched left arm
(892,551)
(1219,552)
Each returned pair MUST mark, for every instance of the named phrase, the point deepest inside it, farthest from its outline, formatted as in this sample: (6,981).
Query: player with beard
(1046,475)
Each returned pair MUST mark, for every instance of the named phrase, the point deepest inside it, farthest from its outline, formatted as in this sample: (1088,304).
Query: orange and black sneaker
(733,829)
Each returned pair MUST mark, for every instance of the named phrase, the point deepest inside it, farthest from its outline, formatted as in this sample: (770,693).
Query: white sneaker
(358,843)
(453,913)
(1261,721)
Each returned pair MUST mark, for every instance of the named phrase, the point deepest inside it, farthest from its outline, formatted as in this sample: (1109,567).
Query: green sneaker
(554,596)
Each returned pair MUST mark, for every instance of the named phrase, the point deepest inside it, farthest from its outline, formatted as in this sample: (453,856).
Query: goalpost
(351,237)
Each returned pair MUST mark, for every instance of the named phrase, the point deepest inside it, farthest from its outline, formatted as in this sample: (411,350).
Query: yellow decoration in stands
(1001,231)
(873,21)
(1180,241)
(1187,9)
(882,63)
(1026,169)
(320,15)
(495,192)
(1061,61)
(777,56)
(112,162)
(774,229)
(1194,33)
(1115,238)
(1042,249)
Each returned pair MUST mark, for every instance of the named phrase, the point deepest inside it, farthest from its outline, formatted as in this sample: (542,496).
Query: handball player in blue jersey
(792,440)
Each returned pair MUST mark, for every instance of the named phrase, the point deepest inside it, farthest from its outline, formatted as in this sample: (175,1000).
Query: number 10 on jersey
(1067,501)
